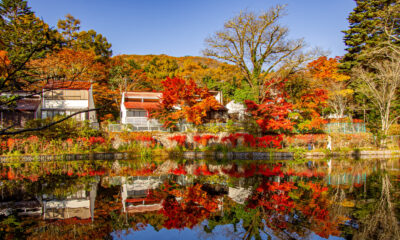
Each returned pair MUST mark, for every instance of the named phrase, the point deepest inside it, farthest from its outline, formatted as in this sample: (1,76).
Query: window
(53,113)
(136,113)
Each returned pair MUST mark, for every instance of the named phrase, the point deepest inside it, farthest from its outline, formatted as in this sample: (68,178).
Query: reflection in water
(207,199)
(381,223)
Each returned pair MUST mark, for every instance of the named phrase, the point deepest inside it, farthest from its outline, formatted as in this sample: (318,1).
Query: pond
(200,199)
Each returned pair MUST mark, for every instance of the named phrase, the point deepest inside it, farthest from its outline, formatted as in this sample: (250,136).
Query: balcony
(137,124)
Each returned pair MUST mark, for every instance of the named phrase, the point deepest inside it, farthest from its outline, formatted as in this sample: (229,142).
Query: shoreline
(194,155)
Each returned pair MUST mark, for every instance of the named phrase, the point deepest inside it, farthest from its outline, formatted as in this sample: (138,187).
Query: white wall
(76,203)
(66,104)
(123,112)
(92,114)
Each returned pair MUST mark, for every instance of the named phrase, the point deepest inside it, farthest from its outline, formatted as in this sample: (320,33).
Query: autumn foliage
(326,75)
(4,63)
(196,206)
(70,65)
(326,69)
(309,107)
(272,114)
(184,100)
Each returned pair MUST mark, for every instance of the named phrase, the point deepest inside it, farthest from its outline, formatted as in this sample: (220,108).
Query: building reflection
(136,194)
(79,204)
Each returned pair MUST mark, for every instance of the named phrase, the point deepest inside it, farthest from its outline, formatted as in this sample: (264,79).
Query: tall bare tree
(380,82)
(380,74)
(258,45)
(391,26)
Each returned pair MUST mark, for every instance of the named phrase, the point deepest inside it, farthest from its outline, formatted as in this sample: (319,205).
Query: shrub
(69,128)
(356,140)
(179,139)
(204,139)
(303,140)
(394,129)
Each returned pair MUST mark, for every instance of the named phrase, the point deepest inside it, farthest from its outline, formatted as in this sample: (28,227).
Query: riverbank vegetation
(150,144)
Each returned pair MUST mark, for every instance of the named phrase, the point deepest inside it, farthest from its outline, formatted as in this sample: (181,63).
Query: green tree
(69,27)
(373,26)
(23,37)
(87,40)
(24,40)
(365,30)
(160,68)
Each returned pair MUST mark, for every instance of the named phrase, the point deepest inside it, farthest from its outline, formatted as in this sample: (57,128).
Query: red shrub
(180,139)
(203,140)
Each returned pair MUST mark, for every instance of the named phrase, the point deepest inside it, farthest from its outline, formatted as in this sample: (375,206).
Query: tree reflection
(382,222)
(253,200)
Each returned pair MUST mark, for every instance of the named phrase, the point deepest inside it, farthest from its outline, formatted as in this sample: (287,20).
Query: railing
(143,124)
(137,121)
(345,128)
(135,124)
(138,128)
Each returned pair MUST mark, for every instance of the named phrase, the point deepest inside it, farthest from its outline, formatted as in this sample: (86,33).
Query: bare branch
(257,44)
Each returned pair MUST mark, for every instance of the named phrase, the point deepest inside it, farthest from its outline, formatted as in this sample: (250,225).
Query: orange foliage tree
(127,75)
(107,98)
(308,110)
(70,65)
(326,75)
(4,63)
(184,100)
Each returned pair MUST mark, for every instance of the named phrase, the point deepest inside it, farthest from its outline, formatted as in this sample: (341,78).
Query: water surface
(185,199)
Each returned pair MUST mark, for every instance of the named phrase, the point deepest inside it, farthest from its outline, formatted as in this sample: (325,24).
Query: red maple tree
(184,100)
(272,114)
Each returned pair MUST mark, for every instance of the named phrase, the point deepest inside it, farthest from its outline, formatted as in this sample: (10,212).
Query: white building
(66,98)
(135,109)
(136,197)
(236,108)
(80,204)
(218,96)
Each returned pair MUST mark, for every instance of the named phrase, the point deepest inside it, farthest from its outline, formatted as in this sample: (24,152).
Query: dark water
(167,199)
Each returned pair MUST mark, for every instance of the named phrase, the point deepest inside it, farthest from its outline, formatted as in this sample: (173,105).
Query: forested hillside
(147,72)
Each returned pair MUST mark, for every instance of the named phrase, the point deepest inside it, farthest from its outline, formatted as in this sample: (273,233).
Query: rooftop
(141,105)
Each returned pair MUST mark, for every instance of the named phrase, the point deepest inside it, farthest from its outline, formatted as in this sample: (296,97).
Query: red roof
(70,85)
(141,105)
(143,94)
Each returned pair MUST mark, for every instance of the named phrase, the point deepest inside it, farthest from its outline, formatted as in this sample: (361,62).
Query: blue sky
(179,27)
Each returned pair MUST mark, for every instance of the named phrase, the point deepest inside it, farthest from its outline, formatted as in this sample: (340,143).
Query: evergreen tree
(23,37)
(374,30)
(86,40)
(366,29)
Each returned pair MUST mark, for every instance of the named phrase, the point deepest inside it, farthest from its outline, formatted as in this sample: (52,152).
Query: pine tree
(366,29)
(83,40)
(23,37)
